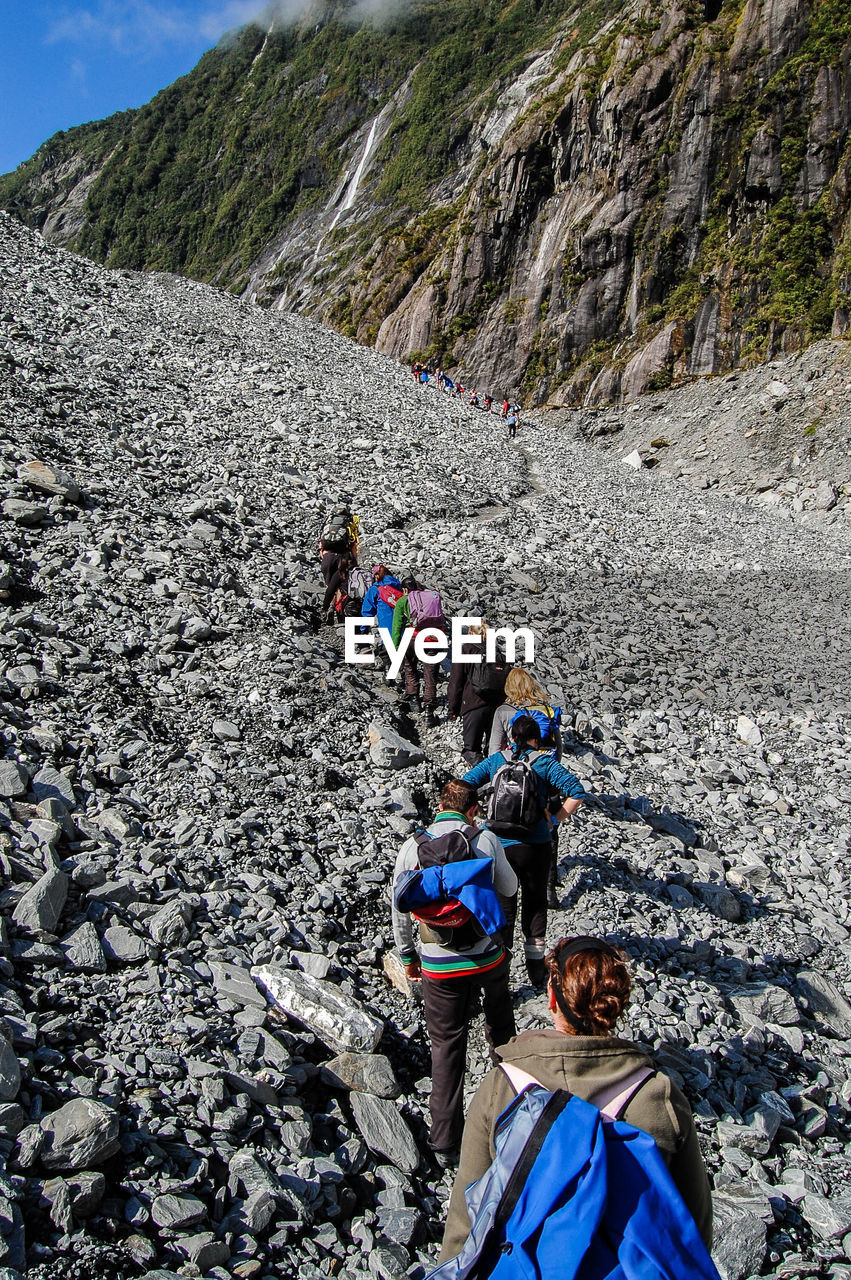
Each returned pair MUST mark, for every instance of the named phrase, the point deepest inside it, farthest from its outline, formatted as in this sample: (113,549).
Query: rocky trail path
(201,804)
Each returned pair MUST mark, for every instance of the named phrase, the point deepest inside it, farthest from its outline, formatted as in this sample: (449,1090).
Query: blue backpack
(548,720)
(574,1195)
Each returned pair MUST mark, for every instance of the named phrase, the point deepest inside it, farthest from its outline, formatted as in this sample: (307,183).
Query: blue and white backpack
(575,1193)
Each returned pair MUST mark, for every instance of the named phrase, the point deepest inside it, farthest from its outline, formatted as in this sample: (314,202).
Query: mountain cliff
(581,203)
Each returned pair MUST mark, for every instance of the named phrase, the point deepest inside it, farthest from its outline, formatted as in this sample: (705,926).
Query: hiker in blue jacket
(528,848)
(380,601)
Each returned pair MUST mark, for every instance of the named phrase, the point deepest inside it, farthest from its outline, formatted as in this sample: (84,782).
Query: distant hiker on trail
(339,538)
(459,389)
(475,691)
(422,609)
(511,422)
(336,585)
(523,780)
(459,958)
(523,693)
(380,600)
(504,413)
(474,399)
(488,403)
(416,370)
(589,990)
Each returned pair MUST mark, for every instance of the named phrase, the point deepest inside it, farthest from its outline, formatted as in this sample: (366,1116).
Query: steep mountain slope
(582,202)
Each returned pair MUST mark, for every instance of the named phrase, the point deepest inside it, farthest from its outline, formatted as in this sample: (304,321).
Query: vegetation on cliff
(699,181)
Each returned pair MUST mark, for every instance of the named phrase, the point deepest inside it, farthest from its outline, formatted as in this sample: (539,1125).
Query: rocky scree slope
(778,435)
(201,804)
(579,202)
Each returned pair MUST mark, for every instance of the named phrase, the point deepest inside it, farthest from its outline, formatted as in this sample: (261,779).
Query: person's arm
(568,785)
(455,688)
(479,774)
(499,729)
(401,618)
(504,876)
(369,608)
(404,935)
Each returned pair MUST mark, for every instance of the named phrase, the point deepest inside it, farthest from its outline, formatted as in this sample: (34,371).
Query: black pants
(531,863)
(449,1005)
(476,727)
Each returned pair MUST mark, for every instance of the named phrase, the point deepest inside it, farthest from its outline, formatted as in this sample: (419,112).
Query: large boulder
(80,1134)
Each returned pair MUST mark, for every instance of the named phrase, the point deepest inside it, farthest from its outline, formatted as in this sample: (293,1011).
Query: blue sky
(62,64)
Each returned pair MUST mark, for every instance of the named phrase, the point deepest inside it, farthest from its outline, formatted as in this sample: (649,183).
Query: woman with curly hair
(589,989)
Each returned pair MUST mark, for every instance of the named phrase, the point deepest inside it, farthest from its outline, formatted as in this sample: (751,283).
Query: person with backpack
(379,602)
(589,990)
(422,609)
(523,693)
(511,423)
(523,780)
(460,958)
(339,539)
(474,692)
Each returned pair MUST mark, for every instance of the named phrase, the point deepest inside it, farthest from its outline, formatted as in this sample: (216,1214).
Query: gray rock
(123,945)
(765,1003)
(10,1068)
(50,784)
(384,1130)
(829,1217)
(338,1021)
(204,1250)
(739,1240)
(83,949)
(81,1133)
(28,514)
(41,907)
(826,1001)
(38,475)
(365,1072)
(236,984)
(177,1212)
(389,750)
(14,778)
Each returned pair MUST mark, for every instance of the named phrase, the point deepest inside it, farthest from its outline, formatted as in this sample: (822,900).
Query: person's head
(522,689)
(408,581)
(459,796)
(526,733)
(379,571)
(590,985)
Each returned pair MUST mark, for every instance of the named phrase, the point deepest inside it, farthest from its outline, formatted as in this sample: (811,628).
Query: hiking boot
(447,1159)
(430,716)
(537,972)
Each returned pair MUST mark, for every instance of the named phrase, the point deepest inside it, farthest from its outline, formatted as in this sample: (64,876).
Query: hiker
(339,539)
(380,600)
(523,782)
(336,586)
(422,609)
(589,990)
(523,693)
(470,959)
(504,413)
(488,403)
(475,691)
(474,399)
(511,423)
(345,592)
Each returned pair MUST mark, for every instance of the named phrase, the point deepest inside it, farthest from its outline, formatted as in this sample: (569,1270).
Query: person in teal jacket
(529,854)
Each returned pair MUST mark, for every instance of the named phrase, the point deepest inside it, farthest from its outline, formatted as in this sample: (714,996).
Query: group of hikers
(510,409)
(455,891)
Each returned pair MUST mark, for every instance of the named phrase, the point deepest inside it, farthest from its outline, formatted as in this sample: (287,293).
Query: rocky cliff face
(579,204)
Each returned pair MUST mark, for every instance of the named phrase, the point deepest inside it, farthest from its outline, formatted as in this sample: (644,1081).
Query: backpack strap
(517,1078)
(614,1100)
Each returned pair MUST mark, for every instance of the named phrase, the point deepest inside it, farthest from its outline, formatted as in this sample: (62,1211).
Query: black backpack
(488,679)
(449,923)
(516,804)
